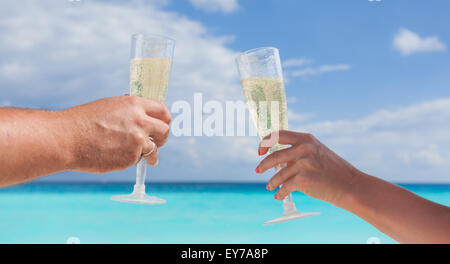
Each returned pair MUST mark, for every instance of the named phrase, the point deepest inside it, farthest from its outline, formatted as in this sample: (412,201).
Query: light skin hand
(105,135)
(113,133)
(317,171)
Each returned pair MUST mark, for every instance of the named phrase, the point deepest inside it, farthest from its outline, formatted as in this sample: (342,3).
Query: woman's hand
(311,168)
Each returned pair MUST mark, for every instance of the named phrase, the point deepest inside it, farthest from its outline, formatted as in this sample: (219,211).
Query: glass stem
(141,168)
(288,202)
(288,199)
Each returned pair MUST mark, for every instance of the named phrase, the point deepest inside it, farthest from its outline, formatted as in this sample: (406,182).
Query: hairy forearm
(397,212)
(32,144)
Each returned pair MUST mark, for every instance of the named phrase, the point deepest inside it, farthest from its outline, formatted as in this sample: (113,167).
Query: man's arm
(317,171)
(105,135)
(32,143)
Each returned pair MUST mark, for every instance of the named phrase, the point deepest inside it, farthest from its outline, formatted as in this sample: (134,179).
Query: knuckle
(161,142)
(308,148)
(312,138)
(169,118)
(151,159)
(299,149)
(132,157)
(132,100)
(136,157)
(309,135)
(278,156)
(283,191)
(159,105)
(301,182)
(263,164)
(166,131)
(138,138)
(141,121)
(299,164)
(304,164)
(273,182)
(280,175)
(277,179)
(162,134)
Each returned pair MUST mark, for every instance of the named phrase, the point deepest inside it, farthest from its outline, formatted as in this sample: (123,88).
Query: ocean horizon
(195,212)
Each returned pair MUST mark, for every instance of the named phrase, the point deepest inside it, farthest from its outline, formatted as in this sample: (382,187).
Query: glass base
(139,199)
(290,213)
(290,216)
(138,196)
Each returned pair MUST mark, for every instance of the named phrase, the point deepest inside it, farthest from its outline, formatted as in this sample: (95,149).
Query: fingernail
(257,170)
(259,152)
(268,187)
(275,196)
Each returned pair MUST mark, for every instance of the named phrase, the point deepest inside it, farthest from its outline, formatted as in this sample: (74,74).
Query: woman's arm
(399,213)
(318,172)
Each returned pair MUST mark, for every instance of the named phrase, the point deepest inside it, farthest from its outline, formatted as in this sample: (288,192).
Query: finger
(152,159)
(282,137)
(282,176)
(283,156)
(156,109)
(286,189)
(147,146)
(156,129)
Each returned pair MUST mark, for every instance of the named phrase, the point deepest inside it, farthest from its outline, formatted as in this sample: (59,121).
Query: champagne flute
(150,65)
(263,86)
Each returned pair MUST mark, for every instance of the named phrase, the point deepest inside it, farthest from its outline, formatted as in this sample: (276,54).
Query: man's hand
(112,133)
(311,168)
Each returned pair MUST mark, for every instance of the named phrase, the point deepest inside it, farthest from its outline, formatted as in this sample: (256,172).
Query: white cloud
(429,155)
(15,71)
(319,70)
(77,54)
(408,42)
(224,6)
(291,100)
(409,144)
(296,117)
(296,62)
(297,67)
(5,103)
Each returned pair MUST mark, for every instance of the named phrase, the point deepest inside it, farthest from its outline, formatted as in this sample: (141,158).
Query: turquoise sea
(194,213)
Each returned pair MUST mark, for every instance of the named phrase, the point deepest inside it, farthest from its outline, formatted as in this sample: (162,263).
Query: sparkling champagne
(266,100)
(149,77)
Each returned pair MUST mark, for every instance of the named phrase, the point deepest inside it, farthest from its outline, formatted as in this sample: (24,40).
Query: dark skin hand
(315,170)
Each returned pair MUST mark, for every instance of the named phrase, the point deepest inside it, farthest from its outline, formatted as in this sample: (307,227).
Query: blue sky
(369,79)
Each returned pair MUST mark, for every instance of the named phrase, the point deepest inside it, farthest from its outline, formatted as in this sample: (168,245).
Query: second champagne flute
(150,65)
(262,82)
